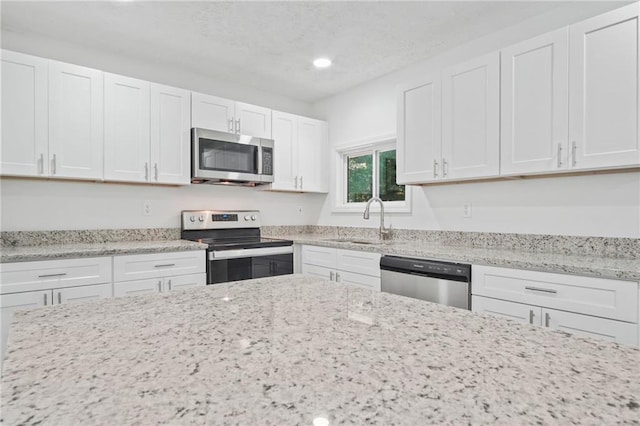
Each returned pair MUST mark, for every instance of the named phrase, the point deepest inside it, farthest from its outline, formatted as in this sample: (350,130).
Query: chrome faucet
(383,232)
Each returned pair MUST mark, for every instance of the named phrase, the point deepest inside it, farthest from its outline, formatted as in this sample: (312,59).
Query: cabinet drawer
(318,271)
(47,274)
(600,297)
(185,281)
(319,256)
(157,265)
(359,262)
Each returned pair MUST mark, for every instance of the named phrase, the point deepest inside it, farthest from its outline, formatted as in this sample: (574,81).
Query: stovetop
(243,243)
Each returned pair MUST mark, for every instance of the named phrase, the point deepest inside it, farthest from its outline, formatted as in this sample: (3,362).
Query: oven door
(245,264)
(220,155)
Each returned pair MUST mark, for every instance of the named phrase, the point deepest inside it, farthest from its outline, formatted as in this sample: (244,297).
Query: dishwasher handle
(426,267)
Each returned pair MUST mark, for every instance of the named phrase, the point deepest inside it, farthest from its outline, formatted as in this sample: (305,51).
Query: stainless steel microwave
(229,158)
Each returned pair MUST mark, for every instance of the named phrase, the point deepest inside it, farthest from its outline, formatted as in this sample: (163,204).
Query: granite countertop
(606,267)
(61,251)
(294,349)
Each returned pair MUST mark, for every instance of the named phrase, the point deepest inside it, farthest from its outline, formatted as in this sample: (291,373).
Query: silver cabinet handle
(169,284)
(295,180)
(41,164)
(53,165)
(331,276)
(238,125)
(547,319)
(165,265)
(543,290)
(337,277)
(444,167)
(435,168)
(231,125)
(301,181)
(160,285)
(530,316)
(559,155)
(52,275)
(45,299)
(155,168)
(146,171)
(59,297)
(574,147)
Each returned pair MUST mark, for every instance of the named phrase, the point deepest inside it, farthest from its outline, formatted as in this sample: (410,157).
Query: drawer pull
(543,290)
(547,319)
(59,298)
(530,316)
(45,299)
(159,285)
(169,285)
(166,265)
(331,276)
(52,275)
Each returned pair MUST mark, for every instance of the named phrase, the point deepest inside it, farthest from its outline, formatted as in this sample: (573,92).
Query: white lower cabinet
(344,266)
(586,306)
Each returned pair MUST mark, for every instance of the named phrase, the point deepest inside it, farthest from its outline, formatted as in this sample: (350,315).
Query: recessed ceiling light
(322,62)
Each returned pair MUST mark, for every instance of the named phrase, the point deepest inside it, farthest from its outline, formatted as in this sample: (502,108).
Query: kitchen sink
(364,242)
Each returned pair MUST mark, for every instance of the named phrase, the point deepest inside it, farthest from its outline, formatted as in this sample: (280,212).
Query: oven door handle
(254,252)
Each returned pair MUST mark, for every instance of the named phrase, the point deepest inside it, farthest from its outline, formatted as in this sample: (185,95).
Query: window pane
(389,190)
(359,178)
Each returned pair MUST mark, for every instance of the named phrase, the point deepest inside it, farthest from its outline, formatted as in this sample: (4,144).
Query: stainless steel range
(236,250)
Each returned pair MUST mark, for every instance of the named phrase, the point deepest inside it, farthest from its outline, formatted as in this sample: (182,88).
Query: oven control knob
(254,217)
(201,218)
(247,217)
(192,218)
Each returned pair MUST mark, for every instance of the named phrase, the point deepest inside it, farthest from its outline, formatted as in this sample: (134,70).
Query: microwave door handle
(259,159)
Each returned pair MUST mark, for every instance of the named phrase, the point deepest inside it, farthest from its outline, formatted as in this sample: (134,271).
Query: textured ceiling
(270,45)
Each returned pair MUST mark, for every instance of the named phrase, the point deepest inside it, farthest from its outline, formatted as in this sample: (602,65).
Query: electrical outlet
(146,208)
(299,209)
(466,210)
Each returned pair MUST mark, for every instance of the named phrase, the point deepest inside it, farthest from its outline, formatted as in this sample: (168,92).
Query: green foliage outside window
(359,178)
(388,188)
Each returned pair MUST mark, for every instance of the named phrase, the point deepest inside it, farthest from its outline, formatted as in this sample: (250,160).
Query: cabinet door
(170,135)
(471,118)
(360,280)
(9,303)
(510,310)
(82,294)
(312,155)
(75,121)
(253,120)
(318,271)
(185,281)
(419,131)
(588,326)
(126,129)
(285,163)
(134,288)
(359,262)
(24,115)
(603,93)
(212,112)
(534,125)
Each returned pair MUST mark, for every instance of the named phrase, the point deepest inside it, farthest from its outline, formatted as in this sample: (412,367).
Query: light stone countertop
(287,350)
(63,251)
(606,267)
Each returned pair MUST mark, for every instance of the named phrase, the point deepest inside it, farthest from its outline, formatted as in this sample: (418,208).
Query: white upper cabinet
(24,115)
(419,141)
(126,129)
(300,151)
(471,118)
(224,115)
(285,136)
(534,105)
(75,121)
(170,135)
(146,132)
(604,90)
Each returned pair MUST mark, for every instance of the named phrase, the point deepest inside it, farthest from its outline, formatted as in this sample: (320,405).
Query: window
(370,171)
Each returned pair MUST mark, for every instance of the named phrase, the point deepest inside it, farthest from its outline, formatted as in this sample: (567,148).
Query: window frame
(370,148)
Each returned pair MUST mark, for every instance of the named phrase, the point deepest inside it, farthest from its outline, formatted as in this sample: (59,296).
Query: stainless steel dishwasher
(446,283)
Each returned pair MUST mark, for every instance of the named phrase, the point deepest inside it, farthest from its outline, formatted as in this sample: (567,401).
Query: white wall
(594,205)
(31,204)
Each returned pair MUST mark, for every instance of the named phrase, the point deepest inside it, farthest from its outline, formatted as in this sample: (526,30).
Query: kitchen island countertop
(291,349)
